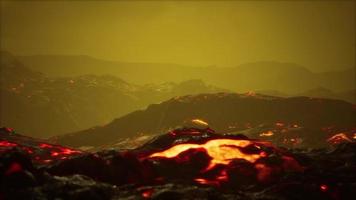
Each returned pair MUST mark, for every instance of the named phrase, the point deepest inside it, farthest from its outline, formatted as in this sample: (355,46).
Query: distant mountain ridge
(43,106)
(221,111)
(265,75)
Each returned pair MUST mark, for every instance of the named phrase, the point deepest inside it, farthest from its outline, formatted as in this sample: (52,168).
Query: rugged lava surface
(182,164)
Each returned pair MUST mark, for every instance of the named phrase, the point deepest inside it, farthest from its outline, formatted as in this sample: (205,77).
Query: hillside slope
(224,112)
(43,106)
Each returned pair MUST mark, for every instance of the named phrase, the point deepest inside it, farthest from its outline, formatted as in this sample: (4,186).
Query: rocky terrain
(185,163)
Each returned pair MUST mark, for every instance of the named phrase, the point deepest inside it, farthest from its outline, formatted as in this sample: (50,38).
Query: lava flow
(222,151)
(39,151)
(228,157)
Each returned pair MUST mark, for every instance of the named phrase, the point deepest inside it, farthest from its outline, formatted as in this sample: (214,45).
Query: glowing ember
(263,171)
(339,138)
(147,193)
(5,143)
(267,134)
(68,151)
(44,145)
(172,133)
(354,137)
(54,154)
(279,124)
(204,181)
(10,130)
(251,93)
(324,188)
(292,141)
(223,176)
(14,167)
(200,122)
(28,150)
(201,180)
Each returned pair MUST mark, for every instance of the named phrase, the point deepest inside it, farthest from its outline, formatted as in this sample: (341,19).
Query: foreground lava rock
(182,164)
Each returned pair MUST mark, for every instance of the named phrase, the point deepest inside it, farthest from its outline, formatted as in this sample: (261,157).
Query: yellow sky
(319,35)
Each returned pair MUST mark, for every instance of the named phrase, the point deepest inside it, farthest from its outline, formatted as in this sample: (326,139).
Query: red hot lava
(5,143)
(57,152)
(324,188)
(38,150)
(223,154)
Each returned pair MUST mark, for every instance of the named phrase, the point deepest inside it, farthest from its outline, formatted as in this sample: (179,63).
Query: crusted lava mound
(185,163)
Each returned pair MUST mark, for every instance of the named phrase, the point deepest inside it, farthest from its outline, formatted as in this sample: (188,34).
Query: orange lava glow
(200,122)
(339,138)
(279,124)
(222,151)
(251,93)
(267,134)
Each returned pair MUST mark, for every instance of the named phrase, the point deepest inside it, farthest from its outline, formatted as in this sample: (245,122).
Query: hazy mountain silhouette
(265,75)
(321,92)
(43,106)
(221,111)
(25,105)
(349,95)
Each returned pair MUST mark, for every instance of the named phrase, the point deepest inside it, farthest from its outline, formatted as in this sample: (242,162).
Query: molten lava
(39,151)
(223,152)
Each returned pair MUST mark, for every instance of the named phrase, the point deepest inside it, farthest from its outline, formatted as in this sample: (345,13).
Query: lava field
(186,163)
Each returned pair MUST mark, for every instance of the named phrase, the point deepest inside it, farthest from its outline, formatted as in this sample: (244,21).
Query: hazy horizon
(177,64)
(316,35)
